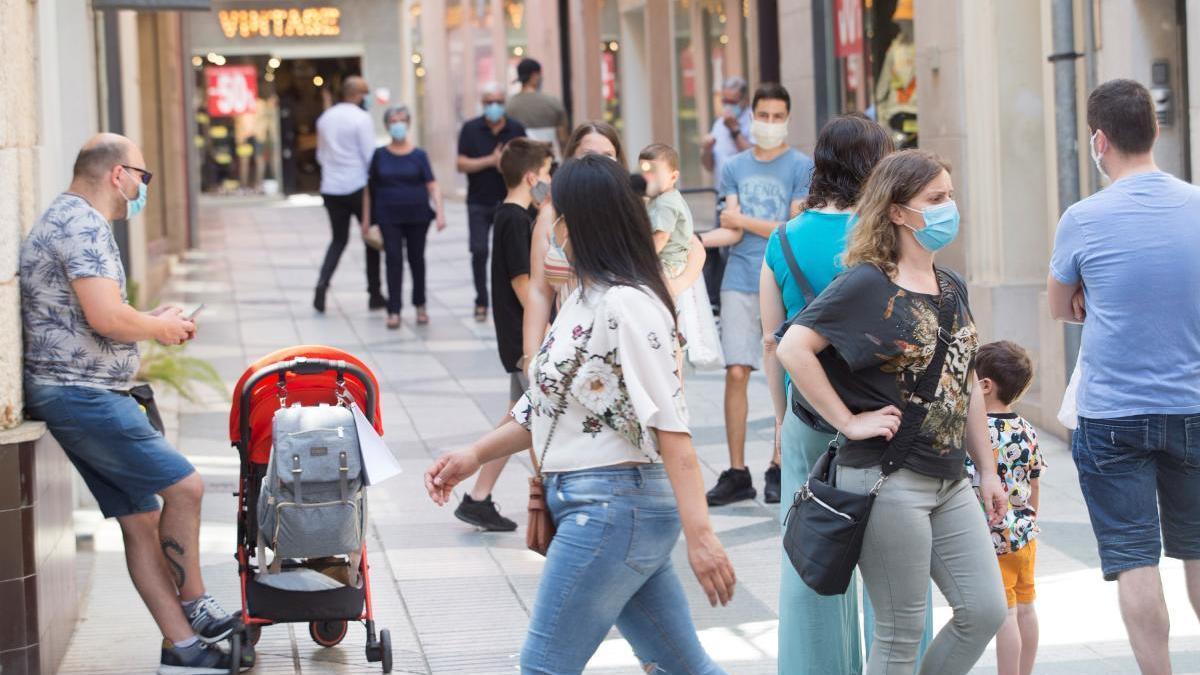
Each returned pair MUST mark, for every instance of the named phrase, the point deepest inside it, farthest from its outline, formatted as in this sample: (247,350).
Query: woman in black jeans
(401,188)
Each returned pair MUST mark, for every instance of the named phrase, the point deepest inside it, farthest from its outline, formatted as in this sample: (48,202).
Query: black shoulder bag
(825,525)
(800,407)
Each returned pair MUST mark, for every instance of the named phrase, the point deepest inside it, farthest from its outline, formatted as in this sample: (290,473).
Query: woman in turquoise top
(817,634)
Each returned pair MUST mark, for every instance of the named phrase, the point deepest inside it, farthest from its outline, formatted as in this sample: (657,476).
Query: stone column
(585,60)
(982,92)
(440,115)
(660,53)
(796,65)
(19,199)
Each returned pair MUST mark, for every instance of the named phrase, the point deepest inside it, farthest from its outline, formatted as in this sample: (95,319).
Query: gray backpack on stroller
(311,503)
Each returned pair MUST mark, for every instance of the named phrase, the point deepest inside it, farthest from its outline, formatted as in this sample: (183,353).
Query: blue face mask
(941,225)
(398,130)
(733,110)
(493,111)
(136,205)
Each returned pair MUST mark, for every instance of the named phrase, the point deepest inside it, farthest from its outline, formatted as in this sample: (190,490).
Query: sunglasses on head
(145,175)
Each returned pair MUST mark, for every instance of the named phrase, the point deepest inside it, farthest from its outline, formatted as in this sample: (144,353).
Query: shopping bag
(1068,414)
(698,328)
(378,462)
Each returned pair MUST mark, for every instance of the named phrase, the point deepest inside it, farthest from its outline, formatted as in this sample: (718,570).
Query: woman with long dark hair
(817,634)
(606,416)
(856,354)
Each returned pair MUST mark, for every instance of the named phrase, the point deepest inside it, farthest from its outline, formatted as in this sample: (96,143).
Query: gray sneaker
(210,621)
(198,659)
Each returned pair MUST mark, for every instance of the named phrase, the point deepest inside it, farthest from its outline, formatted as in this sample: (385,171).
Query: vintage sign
(281,22)
(232,90)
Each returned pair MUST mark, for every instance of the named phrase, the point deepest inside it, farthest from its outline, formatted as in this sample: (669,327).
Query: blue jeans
(610,563)
(1140,478)
(124,461)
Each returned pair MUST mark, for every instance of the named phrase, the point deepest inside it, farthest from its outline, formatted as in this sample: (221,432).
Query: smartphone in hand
(195,312)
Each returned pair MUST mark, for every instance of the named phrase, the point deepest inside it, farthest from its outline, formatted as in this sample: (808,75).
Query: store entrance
(256,121)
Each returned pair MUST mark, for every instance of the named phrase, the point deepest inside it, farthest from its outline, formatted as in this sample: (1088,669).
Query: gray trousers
(924,527)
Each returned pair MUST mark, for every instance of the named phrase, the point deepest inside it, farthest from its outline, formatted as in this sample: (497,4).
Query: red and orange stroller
(272,592)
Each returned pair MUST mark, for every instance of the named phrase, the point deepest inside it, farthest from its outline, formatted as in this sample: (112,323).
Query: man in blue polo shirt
(479,146)
(1124,264)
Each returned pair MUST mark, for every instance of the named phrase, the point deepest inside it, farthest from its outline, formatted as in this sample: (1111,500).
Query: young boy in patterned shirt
(1005,371)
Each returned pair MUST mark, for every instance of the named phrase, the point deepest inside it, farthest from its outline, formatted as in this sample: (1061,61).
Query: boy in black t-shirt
(525,166)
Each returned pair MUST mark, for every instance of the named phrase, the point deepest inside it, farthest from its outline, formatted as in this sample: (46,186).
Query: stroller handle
(303,366)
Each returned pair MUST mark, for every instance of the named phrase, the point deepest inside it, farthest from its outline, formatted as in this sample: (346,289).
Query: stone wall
(19,147)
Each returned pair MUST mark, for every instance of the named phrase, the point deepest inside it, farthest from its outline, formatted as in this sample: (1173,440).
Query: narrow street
(457,601)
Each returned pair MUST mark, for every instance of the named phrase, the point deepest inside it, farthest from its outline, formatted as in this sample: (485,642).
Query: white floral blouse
(605,378)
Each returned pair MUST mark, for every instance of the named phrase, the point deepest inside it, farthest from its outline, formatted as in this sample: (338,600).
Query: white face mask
(1096,156)
(768,135)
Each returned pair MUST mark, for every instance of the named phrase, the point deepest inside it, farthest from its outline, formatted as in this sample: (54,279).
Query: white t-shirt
(345,144)
(605,378)
(726,147)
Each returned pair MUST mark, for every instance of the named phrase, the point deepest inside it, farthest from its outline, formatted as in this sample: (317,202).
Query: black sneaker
(483,514)
(734,485)
(377,301)
(210,621)
(198,659)
(772,490)
(319,299)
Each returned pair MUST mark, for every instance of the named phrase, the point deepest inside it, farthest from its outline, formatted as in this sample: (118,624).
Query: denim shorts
(124,461)
(1140,478)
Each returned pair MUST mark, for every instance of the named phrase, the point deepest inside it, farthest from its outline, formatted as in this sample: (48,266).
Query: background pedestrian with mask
(480,143)
(400,191)
(857,354)
(763,187)
(345,145)
(730,132)
(1124,264)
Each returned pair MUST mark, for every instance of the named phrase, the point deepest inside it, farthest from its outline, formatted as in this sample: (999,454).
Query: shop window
(872,57)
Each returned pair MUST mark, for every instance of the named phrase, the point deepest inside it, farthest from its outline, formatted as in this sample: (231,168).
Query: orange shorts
(1017,571)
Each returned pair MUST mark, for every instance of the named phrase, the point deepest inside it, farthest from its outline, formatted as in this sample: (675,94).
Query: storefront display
(874,63)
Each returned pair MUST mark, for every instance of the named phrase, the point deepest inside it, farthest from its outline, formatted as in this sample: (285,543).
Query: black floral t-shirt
(881,338)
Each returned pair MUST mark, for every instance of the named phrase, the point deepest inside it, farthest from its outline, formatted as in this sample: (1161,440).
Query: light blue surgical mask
(493,111)
(733,110)
(137,204)
(398,130)
(941,225)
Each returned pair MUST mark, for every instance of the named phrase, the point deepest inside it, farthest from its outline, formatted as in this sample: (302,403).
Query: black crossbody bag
(825,525)
(800,407)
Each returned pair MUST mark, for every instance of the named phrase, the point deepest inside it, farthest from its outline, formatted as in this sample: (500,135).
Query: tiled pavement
(458,601)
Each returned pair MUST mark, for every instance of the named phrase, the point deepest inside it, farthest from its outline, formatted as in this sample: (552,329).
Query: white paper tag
(378,462)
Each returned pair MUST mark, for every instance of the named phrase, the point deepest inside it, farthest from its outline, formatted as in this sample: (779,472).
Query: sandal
(481,314)
(422,316)
(393,321)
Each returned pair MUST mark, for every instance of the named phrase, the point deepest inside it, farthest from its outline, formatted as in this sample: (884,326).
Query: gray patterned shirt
(70,241)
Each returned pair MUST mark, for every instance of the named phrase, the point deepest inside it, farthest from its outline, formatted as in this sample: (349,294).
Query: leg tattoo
(169,545)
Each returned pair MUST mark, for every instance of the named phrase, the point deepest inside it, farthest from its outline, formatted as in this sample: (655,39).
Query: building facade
(971,81)
(73,68)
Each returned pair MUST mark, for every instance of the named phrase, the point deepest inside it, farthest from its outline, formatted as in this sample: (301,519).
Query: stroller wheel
(327,633)
(385,649)
(254,633)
